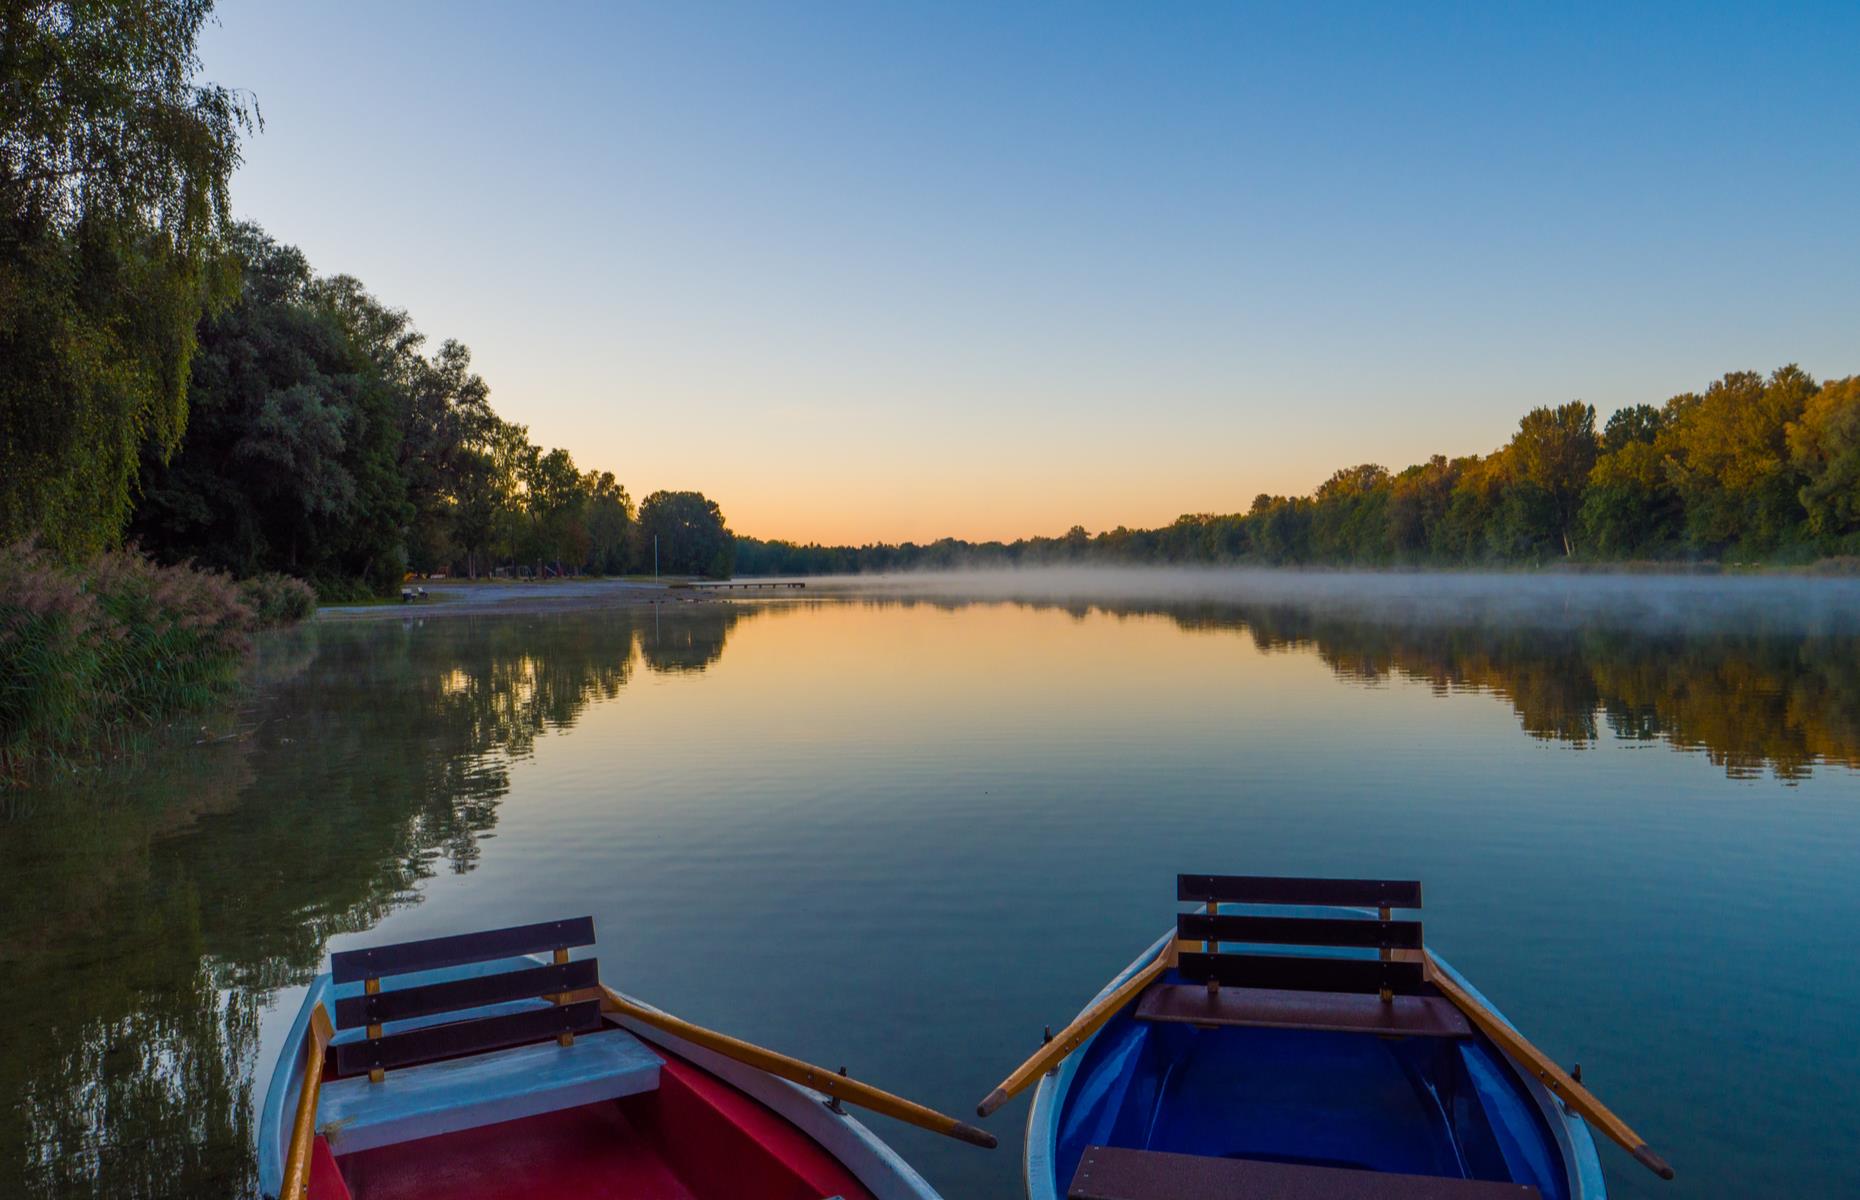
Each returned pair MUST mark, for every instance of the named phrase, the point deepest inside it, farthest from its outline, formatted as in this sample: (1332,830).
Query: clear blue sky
(869,271)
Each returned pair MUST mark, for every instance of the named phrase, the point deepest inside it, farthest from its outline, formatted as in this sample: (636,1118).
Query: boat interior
(1298,1048)
(465,1068)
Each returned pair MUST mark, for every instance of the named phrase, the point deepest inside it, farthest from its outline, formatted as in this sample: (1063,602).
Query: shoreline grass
(94,653)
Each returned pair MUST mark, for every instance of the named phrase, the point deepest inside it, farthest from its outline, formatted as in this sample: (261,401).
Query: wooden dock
(750,585)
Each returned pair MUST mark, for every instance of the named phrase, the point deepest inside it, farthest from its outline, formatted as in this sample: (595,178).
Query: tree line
(323,441)
(1754,468)
(185,381)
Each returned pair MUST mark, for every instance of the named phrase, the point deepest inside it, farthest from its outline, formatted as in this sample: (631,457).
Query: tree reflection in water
(149,912)
(1753,691)
(1750,701)
(1756,684)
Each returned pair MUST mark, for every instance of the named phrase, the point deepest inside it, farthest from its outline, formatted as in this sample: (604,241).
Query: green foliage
(610,521)
(484,489)
(1281,529)
(1730,463)
(277,599)
(1630,509)
(290,462)
(92,651)
(1637,423)
(1463,533)
(690,533)
(1419,500)
(113,175)
(1551,457)
(1824,449)
(447,415)
(1350,521)
(553,500)
(324,444)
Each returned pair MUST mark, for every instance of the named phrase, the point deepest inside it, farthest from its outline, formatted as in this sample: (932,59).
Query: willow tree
(114,164)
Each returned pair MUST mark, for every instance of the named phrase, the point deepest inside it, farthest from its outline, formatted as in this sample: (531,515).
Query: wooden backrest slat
(1272,889)
(455,994)
(1302,973)
(377,961)
(466,1037)
(1299,931)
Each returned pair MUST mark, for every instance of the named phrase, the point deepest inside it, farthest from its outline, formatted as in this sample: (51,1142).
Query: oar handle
(1645,1156)
(964,1132)
(806,1074)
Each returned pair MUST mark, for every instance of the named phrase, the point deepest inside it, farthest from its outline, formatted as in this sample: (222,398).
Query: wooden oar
(1553,1077)
(303,1128)
(1073,1036)
(793,1069)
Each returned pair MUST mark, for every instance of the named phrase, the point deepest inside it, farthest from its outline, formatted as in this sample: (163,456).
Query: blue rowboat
(1291,1038)
(496,1065)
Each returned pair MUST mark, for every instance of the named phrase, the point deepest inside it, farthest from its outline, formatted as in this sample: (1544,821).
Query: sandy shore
(448,598)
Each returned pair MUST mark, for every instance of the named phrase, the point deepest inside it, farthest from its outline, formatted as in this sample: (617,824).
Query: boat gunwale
(884,1172)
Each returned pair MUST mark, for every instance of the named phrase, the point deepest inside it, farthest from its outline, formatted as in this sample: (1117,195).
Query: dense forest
(323,442)
(1752,469)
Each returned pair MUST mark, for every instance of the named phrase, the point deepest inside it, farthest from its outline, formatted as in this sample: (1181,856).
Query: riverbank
(460,598)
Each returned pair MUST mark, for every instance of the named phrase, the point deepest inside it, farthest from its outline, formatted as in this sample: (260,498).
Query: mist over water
(1780,604)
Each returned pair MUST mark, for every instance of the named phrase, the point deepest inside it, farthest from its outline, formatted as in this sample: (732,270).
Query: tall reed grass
(91,653)
(277,599)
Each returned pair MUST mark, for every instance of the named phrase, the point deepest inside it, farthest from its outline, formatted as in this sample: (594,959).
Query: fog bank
(1769,603)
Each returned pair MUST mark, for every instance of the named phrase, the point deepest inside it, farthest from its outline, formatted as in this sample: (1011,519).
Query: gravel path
(446,598)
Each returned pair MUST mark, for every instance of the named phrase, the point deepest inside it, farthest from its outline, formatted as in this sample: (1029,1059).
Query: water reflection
(1748,701)
(126,1068)
(693,640)
(1753,691)
(147,914)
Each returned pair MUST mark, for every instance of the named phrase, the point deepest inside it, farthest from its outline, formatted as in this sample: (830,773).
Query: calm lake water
(901,826)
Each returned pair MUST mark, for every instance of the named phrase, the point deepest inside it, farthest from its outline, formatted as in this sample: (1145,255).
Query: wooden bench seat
(1108,1173)
(1277,1008)
(484,1089)
(1356,969)
(455,1033)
